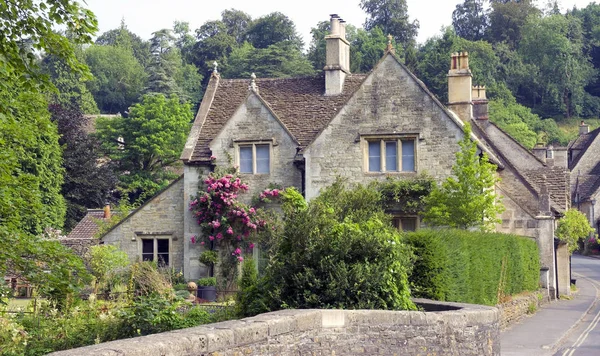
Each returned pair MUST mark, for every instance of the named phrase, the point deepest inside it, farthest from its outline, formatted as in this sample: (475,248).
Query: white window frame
(382,140)
(238,145)
(154,238)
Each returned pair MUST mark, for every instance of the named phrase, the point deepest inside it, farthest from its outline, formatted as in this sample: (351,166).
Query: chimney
(544,198)
(540,151)
(460,89)
(337,63)
(480,103)
(583,128)
(106,211)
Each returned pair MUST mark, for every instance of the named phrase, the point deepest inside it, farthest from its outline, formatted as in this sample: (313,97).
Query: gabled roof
(586,185)
(582,142)
(88,226)
(299,103)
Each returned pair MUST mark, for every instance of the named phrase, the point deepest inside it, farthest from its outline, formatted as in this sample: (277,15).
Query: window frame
(240,144)
(400,217)
(155,237)
(366,140)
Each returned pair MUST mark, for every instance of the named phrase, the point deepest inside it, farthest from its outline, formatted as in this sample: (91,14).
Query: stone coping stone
(233,334)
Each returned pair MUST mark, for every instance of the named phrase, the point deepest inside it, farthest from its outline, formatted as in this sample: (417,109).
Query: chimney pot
(106,211)
(583,128)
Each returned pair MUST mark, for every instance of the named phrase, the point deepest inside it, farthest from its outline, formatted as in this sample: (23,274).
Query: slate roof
(582,142)
(88,226)
(557,181)
(586,185)
(299,103)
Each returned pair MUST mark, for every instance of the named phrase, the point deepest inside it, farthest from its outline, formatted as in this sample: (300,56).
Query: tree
(118,77)
(392,17)
(30,157)
(507,19)
(271,29)
(467,199)
(573,227)
(70,86)
(27,27)
(123,38)
(163,65)
(470,20)
(276,61)
(146,143)
(237,23)
(553,46)
(213,44)
(88,183)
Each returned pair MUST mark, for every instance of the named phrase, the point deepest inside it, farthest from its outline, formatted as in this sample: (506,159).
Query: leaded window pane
(408,156)
(391,156)
(246,159)
(374,156)
(263,158)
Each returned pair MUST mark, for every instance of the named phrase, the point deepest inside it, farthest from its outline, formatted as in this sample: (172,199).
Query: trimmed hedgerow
(472,267)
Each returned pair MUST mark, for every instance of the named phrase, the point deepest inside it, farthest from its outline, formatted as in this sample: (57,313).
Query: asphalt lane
(584,338)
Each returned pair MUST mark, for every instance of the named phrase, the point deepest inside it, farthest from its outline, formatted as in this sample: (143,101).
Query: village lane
(563,327)
(584,338)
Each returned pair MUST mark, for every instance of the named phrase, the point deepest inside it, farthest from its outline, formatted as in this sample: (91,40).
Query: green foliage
(251,299)
(470,20)
(118,77)
(405,195)
(271,29)
(392,17)
(472,267)
(278,60)
(209,257)
(207,282)
(467,199)
(29,27)
(123,38)
(146,143)
(573,227)
(106,262)
(340,251)
(507,20)
(154,314)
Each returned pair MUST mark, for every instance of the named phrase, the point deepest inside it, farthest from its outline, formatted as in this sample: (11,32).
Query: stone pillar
(563,269)
(192,269)
(460,87)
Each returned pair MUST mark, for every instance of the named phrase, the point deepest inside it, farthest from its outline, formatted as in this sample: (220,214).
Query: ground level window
(156,249)
(405,223)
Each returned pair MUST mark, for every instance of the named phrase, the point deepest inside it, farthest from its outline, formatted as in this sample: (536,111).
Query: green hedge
(472,267)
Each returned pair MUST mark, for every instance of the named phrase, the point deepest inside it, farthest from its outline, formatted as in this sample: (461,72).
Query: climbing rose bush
(225,222)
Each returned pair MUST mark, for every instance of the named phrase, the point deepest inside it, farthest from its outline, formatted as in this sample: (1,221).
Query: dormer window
(254,158)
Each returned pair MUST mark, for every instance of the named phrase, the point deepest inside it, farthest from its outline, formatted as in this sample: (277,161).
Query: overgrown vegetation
(472,267)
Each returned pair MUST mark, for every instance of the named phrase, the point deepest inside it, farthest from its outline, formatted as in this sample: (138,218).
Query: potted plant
(209,259)
(207,289)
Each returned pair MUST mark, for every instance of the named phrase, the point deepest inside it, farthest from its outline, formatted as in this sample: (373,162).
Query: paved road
(556,328)
(584,338)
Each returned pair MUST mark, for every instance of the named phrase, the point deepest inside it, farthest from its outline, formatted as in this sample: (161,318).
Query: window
(405,223)
(391,155)
(255,158)
(156,249)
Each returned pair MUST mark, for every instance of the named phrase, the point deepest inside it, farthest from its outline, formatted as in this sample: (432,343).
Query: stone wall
(466,330)
(160,217)
(519,306)
(390,102)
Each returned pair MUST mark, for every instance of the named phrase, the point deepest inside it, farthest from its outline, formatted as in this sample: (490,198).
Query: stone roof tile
(299,103)
(88,226)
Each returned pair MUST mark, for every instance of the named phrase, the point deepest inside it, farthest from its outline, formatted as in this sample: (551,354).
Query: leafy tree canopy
(146,142)
(392,17)
(467,199)
(271,29)
(470,20)
(573,227)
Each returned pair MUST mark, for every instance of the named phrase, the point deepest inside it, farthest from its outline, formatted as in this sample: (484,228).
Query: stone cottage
(305,132)
(583,155)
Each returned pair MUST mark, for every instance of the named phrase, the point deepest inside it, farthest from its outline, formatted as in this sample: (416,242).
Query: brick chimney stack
(460,88)
(337,63)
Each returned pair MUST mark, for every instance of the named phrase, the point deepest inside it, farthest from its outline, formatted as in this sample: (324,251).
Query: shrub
(472,267)
(106,262)
(339,251)
(207,282)
(250,300)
